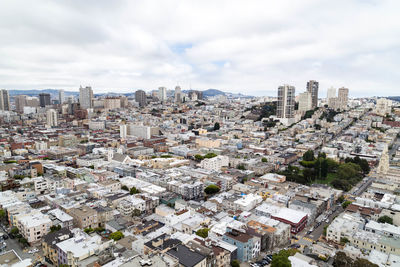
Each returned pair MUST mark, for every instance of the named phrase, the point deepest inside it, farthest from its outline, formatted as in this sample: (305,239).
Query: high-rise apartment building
(312,87)
(343,97)
(305,102)
(331,93)
(20,103)
(4,100)
(141,98)
(51,118)
(162,94)
(178,94)
(61,96)
(286,101)
(86,97)
(44,99)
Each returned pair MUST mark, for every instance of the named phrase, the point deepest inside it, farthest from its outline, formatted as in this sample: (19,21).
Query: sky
(248,47)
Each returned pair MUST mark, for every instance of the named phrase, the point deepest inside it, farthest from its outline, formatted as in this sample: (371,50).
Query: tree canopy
(212,189)
(202,232)
(385,219)
(117,235)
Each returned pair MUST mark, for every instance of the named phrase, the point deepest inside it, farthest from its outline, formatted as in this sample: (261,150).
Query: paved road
(13,244)
(361,186)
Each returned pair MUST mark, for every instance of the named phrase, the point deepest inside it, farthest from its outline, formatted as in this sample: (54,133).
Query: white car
(32,251)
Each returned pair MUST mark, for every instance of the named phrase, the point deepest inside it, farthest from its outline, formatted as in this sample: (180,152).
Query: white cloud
(238,46)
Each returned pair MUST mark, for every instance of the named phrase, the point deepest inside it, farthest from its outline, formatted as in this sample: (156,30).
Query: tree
(344,240)
(124,187)
(324,168)
(385,219)
(235,263)
(2,214)
(309,155)
(23,241)
(241,167)
(363,263)
(308,175)
(216,126)
(211,189)
(203,232)
(88,230)
(55,228)
(349,170)
(210,155)
(342,260)
(116,235)
(281,259)
(136,213)
(134,191)
(198,157)
(14,230)
(264,160)
(345,204)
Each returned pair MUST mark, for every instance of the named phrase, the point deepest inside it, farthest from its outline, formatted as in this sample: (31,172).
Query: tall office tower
(141,98)
(312,87)
(44,99)
(162,94)
(51,117)
(86,97)
(4,100)
(286,96)
(305,102)
(61,96)
(343,97)
(331,93)
(20,103)
(178,94)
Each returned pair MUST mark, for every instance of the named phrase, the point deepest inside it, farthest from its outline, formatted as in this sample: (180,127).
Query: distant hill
(36,92)
(395,98)
(213,92)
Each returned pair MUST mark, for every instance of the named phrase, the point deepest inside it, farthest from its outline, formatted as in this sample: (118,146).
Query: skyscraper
(141,98)
(86,97)
(331,93)
(61,96)
(286,96)
(44,99)
(51,118)
(343,97)
(312,87)
(4,100)
(305,102)
(178,94)
(20,103)
(162,94)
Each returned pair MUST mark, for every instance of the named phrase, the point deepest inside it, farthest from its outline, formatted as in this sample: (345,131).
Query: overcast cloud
(250,47)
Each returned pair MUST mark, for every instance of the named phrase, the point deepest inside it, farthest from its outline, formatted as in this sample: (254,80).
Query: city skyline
(250,48)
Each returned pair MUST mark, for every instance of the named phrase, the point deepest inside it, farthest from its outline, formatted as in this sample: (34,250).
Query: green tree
(344,240)
(136,213)
(342,260)
(385,219)
(235,263)
(349,171)
(345,204)
(281,259)
(210,155)
(363,263)
(134,191)
(198,157)
(308,175)
(309,156)
(216,126)
(14,230)
(55,228)
(203,232)
(211,189)
(241,167)
(332,165)
(2,214)
(264,160)
(116,235)
(124,187)
(324,168)
(23,241)
(88,230)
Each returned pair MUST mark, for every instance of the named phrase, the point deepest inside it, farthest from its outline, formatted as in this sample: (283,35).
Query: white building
(331,93)
(248,202)
(51,118)
(383,106)
(305,102)
(215,163)
(162,94)
(97,125)
(123,131)
(34,226)
(40,146)
(141,131)
(86,97)
(344,226)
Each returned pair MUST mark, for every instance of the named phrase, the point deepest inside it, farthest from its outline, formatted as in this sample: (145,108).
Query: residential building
(178,94)
(4,100)
(305,102)
(61,96)
(84,217)
(86,97)
(343,97)
(312,88)
(141,98)
(286,101)
(51,118)
(162,94)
